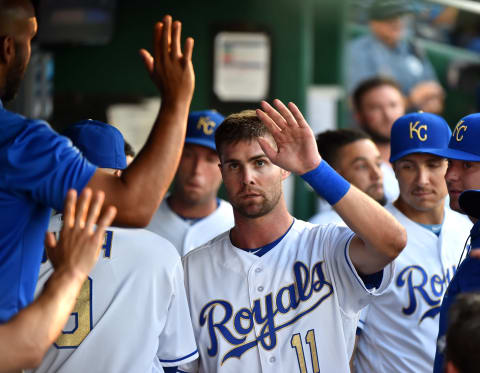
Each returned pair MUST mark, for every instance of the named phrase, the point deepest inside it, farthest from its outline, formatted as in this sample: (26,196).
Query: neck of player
(431,216)
(253,233)
(192,210)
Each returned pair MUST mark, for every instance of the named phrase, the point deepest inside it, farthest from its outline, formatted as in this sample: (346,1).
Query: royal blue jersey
(37,167)
(466,279)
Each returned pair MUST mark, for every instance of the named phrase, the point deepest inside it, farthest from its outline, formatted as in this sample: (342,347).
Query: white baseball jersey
(390,182)
(293,309)
(186,235)
(327,216)
(131,314)
(399,330)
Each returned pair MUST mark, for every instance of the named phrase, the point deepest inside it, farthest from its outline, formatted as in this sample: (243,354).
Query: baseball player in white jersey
(397,332)
(192,214)
(276,294)
(132,313)
(353,154)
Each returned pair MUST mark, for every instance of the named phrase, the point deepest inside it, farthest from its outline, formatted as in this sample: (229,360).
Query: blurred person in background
(377,103)
(193,214)
(386,51)
(353,155)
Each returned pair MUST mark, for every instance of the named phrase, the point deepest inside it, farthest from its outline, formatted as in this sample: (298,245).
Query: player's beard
(379,198)
(262,208)
(14,77)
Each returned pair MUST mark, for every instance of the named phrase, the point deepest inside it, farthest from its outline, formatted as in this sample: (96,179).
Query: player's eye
(260,162)
(467,165)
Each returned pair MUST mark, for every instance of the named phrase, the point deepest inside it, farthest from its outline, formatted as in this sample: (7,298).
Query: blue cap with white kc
(464,144)
(101,143)
(419,133)
(201,128)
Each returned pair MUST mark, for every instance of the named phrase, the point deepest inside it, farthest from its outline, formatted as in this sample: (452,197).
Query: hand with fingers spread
(82,234)
(26,337)
(296,148)
(170,69)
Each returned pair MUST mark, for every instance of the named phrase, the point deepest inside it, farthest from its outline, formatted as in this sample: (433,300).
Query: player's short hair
(330,142)
(463,334)
(243,126)
(367,85)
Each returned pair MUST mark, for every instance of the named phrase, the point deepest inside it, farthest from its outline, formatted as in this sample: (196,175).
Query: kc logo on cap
(459,128)
(201,127)
(206,125)
(417,128)
(418,133)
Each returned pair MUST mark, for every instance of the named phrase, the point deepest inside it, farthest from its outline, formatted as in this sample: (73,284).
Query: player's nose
(247,176)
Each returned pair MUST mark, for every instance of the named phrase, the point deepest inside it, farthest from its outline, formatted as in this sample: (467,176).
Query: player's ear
(7,49)
(285,174)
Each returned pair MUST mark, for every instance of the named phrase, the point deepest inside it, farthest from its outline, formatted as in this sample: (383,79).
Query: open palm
(296,148)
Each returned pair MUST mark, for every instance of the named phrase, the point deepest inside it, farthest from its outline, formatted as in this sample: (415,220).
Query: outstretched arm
(27,336)
(379,237)
(140,189)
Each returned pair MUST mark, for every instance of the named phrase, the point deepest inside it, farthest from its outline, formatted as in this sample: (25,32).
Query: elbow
(398,242)
(134,216)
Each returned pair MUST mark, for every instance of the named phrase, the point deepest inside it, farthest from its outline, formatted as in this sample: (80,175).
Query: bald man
(37,166)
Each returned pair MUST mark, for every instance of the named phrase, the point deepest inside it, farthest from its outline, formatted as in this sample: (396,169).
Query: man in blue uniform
(463,174)
(38,167)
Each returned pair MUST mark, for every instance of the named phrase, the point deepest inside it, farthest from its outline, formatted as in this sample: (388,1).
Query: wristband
(327,183)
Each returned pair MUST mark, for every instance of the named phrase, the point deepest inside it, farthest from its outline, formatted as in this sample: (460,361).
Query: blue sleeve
(43,165)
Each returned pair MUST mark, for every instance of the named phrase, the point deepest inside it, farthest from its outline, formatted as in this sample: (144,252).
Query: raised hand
(296,148)
(170,69)
(80,240)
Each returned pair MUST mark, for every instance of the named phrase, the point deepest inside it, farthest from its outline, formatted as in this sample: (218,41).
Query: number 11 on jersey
(296,343)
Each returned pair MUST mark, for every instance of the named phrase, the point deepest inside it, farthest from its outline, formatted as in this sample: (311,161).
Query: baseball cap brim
(199,141)
(434,151)
(459,154)
(470,203)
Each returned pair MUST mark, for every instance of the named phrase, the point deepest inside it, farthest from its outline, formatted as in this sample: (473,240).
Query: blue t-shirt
(369,57)
(37,167)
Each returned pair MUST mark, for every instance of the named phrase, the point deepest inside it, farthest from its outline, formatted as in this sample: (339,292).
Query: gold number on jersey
(82,314)
(296,343)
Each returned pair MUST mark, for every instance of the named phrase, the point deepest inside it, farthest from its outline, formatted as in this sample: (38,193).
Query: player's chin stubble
(256,210)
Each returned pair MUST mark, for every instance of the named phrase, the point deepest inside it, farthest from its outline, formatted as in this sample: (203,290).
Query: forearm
(380,238)
(139,191)
(147,179)
(27,336)
(382,235)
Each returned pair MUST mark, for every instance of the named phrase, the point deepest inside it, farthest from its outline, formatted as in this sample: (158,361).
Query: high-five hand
(296,146)
(169,68)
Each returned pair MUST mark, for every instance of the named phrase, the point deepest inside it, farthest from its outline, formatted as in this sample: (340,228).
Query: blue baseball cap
(201,128)
(463,144)
(419,133)
(101,143)
(469,202)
